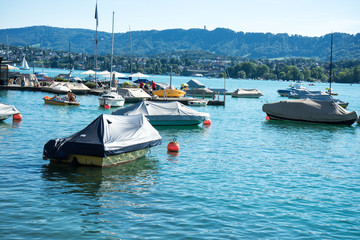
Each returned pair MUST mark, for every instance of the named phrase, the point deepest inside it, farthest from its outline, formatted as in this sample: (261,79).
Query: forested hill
(219,41)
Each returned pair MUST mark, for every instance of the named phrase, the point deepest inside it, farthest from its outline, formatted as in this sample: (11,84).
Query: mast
(7,44)
(170,76)
(112,47)
(331,62)
(225,75)
(69,60)
(96,42)
(130,52)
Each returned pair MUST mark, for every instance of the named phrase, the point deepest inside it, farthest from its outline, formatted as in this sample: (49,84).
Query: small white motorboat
(198,102)
(111,98)
(246,93)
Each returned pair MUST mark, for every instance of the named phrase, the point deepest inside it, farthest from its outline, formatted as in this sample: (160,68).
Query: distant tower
(205,27)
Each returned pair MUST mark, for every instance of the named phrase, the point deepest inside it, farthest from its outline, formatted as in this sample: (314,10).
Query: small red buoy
(267,117)
(17,117)
(107,106)
(207,122)
(173,146)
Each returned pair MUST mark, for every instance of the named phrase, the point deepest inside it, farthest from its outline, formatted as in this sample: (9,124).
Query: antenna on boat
(112,47)
(331,49)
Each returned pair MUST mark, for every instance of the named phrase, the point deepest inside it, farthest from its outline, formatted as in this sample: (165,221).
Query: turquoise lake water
(241,178)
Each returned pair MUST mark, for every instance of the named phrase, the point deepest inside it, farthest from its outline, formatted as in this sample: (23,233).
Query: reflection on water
(241,178)
(91,180)
(94,196)
(292,126)
(4,125)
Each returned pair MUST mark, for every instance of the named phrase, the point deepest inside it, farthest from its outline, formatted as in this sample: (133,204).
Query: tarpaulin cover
(162,111)
(193,83)
(7,110)
(309,110)
(133,93)
(107,135)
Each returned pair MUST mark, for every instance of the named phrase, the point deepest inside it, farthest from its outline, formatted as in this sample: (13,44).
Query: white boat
(198,102)
(108,140)
(133,94)
(111,98)
(308,110)
(316,95)
(172,113)
(24,64)
(7,111)
(247,93)
(286,92)
(75,87)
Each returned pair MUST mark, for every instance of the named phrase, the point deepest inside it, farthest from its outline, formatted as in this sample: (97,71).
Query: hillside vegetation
(219,41)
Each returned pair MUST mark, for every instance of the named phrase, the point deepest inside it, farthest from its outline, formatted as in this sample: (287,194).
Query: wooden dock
(185,100)
(97,92)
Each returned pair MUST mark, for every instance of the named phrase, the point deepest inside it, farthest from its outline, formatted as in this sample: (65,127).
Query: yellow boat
(169,93)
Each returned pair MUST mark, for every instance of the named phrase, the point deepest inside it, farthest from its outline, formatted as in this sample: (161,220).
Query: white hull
(4,117)
(198,102)
(111,102)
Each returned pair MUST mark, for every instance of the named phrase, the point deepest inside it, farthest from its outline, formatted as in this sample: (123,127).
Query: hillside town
(188,63)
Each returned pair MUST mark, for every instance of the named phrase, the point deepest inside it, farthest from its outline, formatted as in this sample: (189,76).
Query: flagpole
(96,42)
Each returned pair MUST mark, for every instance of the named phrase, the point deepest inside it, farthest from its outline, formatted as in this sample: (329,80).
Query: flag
(96,16)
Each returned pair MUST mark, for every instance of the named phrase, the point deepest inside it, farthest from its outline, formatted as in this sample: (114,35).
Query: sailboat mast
(96,42)
(69,60)
(170,76)
(130,52)
(112,47)
(331,49)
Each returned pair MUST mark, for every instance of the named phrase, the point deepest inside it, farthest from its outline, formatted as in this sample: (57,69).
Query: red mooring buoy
(173,146)
(267,118)
(107,106)
(17,117)
(207,122)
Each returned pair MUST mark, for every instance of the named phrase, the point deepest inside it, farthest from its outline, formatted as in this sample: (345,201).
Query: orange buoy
(267,117)
(46,97)
(173,146)
(17,117)
(107,106)
(207,122)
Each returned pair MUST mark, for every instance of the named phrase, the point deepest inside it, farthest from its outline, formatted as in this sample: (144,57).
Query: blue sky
(304,17)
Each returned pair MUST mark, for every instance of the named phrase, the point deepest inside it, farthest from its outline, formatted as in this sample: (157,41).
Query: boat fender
(17,117)
(207,122)
(173,146)
(107,106)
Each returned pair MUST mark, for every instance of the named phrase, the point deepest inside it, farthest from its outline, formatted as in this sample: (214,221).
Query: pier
(98,92)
